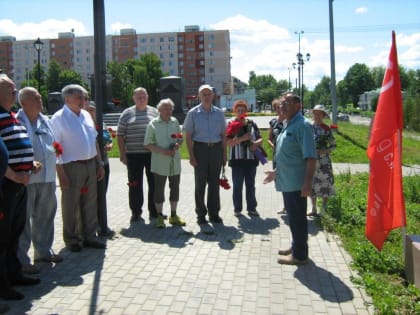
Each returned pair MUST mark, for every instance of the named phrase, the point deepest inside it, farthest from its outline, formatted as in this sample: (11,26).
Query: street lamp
(39,45)
(300,63)
(289,87)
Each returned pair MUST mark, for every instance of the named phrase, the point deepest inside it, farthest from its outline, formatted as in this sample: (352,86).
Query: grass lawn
(382,274)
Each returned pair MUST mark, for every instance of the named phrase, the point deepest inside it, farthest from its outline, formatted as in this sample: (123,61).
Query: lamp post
(39,45)
(300,63)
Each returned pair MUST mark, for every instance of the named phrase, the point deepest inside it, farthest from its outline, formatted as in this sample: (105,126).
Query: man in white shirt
(78,168)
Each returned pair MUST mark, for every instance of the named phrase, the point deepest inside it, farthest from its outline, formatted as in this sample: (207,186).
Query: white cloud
(262,47)
(45,29)
(361,10)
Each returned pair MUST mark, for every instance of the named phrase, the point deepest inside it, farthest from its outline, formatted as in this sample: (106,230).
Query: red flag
(386,207)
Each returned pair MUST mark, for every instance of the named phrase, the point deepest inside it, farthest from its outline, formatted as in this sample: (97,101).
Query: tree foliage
(53,75)
(266,87)
(358,80)
(145,72)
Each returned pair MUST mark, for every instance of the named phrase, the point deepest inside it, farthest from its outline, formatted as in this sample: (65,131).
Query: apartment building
(197,56)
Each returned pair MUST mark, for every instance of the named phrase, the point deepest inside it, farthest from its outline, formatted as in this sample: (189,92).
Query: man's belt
(209,144)
(84,161)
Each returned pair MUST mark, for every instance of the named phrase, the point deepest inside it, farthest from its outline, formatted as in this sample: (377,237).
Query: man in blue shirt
(295,165)
(205,128)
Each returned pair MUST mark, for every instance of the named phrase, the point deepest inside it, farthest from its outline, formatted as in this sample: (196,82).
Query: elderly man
(130,135)
(41,204)
(205,127)
(78,169)
(295,167)
(13,192)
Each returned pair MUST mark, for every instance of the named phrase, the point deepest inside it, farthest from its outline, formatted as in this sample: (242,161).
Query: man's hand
(271,175)
(37,167)
(100,172)
(193,161)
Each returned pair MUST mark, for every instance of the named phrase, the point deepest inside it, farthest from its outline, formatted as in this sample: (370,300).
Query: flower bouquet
(237,127)
(323,142)
(223,181)
(58,149)
(177,137)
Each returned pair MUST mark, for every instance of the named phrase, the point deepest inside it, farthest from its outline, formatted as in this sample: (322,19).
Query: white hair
(165,101)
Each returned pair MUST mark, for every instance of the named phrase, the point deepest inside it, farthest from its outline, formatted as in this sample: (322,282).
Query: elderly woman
(163,138)
(323,185)
(242,142)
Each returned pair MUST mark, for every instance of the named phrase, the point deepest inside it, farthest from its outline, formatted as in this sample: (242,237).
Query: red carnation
(84,190)
(223,181)
(57,148)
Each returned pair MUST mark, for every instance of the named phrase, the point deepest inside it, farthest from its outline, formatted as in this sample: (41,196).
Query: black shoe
(10,294)
(201,220)
(107,233)
(23,280)
(152,217)
(253,213)
(94,244)
(216,219)
(135,218)
(74,248)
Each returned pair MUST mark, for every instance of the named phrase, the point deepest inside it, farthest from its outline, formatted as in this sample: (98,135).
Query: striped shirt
(16,139)
(242,150)
(132,127)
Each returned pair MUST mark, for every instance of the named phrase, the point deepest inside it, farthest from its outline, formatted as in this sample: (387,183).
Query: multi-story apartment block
(196,56)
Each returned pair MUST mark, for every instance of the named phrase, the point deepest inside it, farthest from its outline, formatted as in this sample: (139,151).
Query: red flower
(84,190)
(1,215)
(132,184)
(176,135)
(333,126)
(57,148)
(112,132)
(223,181)
(235,126)
(324,127)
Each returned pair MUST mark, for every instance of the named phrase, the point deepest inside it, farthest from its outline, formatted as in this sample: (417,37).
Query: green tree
(121,84)
(342,94)
(266,87)
(53,75)
(69,77)
(322,92)
(358,79)
(378,75)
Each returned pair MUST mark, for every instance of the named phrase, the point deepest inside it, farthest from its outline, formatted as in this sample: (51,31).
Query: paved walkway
(176,270)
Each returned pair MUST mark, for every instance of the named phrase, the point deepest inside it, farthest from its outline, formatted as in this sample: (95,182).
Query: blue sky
(262,32)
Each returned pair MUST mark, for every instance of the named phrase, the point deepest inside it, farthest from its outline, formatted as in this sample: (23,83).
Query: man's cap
(204,87)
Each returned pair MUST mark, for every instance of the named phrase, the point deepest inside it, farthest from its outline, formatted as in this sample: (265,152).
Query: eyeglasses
(285,103)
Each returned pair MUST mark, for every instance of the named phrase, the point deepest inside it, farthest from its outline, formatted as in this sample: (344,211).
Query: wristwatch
(100,163)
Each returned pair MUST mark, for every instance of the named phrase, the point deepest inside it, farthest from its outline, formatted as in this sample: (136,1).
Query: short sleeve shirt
(159,133)
(294,145)
(205,126)
(132,127)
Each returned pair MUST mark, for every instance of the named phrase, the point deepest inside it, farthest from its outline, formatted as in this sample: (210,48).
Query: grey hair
(23,93)
(165,101)
(142,89)
(73,89)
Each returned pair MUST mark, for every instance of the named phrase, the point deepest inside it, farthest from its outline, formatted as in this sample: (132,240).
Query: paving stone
(146,270)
